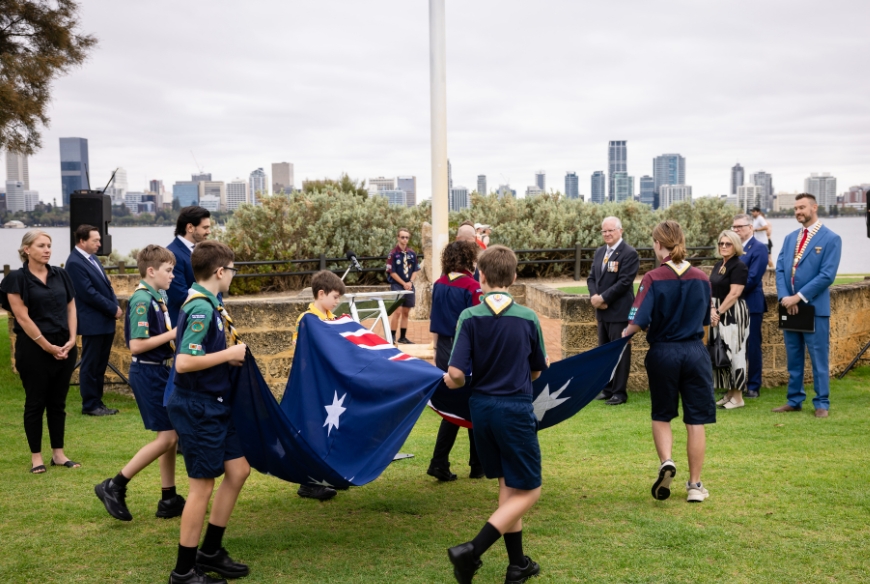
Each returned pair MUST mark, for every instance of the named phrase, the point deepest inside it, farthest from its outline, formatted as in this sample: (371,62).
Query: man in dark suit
(806,268)
(97,308)
(193,226)
(755,256)
(611,288)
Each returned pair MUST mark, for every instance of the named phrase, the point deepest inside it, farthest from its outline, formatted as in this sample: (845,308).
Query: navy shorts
(149,383)
(410,299)
(681,371)
(506,439)
(205,427)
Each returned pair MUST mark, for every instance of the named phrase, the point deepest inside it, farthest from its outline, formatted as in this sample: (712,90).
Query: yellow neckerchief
(160,303)
(234,335)
(799,251)
(679,269)
(497,302)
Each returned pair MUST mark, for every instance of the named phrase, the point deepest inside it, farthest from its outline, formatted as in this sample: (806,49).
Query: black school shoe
(318,492)
(195,576)
(405,341)
(517,575)
(442,474)
(221,563)
(169,508)
(114,499)
(464,563)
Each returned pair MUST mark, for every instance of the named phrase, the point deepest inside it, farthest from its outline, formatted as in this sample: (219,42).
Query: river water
(855,259)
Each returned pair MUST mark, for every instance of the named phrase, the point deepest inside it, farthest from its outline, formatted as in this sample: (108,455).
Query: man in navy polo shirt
(402,268)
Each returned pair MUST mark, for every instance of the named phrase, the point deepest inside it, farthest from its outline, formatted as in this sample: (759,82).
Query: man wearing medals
(805,270)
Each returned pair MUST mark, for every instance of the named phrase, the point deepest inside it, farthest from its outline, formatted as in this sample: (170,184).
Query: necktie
(98,266)
(803,240)
(234,335)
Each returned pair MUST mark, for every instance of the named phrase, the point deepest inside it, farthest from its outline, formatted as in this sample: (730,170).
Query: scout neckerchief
(497,302)
(312,308)
(802,245)
(453,276)
(163,309)
(234,335)
(679,269)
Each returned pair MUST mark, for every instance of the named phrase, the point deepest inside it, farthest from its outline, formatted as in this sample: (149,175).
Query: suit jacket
(755,257)
(183,280)
(96,303)
(616,288)
(816,271)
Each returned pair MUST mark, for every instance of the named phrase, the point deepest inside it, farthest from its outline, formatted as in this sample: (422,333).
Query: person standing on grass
(149,335)
(200,412)
(729,318)
(41,300)
(402,268)
(502,344)
(673,307)
(611,291)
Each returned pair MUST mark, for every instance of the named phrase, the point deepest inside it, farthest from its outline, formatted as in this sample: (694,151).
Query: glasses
(726,244)
(606,231)
(739,226)
(233,270)
(404,237)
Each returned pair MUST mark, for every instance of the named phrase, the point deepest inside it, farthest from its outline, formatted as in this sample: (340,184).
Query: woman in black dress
(729,318)
(41,299)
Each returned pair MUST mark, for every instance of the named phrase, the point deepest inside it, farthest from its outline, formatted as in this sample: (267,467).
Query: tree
(344,184)
(39,41)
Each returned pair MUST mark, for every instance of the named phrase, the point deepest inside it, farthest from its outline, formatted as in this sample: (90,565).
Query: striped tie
(234,335)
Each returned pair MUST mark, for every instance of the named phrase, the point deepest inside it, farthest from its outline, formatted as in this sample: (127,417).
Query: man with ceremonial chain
(805,270)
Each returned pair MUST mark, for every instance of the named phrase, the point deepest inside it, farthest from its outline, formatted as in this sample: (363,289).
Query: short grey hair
(744,217)
(616,219)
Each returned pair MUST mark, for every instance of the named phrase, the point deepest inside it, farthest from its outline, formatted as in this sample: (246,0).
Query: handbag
(718,352)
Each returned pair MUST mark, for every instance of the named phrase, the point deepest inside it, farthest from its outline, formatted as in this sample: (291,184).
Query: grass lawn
(585,289)
(789,503)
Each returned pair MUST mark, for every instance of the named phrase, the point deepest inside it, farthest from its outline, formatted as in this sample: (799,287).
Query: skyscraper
(668,169)
(186,193)
(541,181)
(822,186)
(17,169)
(217,189)
(396,197)
(458,199)
(617,161)
(765,181)
(238,192)
(670,194)
(623,187)
(648,191)
(749,196)
(409,185)
(200,176)
(736,178)
(156,187)
(597,192)
(481,185)
(74,164)
(572,186)
(15,200)
(449,176)
(282,177)
(383,184)
(259,181)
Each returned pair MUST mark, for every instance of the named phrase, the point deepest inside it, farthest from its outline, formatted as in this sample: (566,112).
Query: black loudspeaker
(867,217)
(91,208)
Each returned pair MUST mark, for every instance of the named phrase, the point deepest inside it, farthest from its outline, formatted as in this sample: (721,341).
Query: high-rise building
(670,194)
(132,201)
(17,168)
(449,175)
(210,202)
(598,192)
(409,185)
(259,181)
(156,187)
(15,200)
(668,169)
(617,161)
(383,184)
(459,199)
(572,186)
(749,196)
(533,191)
(541,181)
(481,185)
(74,164)
(186,193)
(506,191)
(784,201)
(856,196)
(395,197)
(648,191)
(215,188)
(200,176)
(823,187)
(3,208)
(623,187)
(736,178)
(765,181)
(282,177)
(238,193)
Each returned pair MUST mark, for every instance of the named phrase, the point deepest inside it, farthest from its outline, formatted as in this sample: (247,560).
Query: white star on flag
(319,483)
(547,401)
(334,411)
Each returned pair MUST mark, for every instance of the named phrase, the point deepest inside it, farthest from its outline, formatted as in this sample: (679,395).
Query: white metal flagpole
(438,99)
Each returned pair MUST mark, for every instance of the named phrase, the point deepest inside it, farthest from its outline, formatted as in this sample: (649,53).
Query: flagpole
(438,108)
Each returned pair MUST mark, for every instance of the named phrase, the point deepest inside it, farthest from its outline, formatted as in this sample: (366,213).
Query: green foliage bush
(331,221)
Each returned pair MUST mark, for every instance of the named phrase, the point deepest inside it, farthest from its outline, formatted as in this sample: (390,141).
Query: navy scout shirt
(201,332)
(451,294)
(501,343)
(403,263)
(145,317)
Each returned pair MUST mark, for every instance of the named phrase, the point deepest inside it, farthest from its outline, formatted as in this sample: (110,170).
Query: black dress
(733,323)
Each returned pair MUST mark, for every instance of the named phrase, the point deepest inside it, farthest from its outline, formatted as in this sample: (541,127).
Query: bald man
(466,233)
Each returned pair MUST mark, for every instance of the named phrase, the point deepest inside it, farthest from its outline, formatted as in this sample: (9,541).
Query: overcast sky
(343,86)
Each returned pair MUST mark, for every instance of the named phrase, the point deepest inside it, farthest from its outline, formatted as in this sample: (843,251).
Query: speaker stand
(855,360)
(113,368)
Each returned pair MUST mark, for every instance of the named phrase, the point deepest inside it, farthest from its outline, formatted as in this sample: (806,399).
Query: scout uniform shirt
(451,294)
(312,309)
(403,263)
(146,317)
(201,332)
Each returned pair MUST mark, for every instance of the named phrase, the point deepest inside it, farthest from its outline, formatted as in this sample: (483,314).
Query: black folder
(802,322)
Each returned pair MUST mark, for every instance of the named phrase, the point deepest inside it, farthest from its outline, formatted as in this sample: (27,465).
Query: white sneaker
(696,493)
(661,489)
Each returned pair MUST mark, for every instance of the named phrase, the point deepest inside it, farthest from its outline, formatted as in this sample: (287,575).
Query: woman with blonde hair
(729,318)
(40,298)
